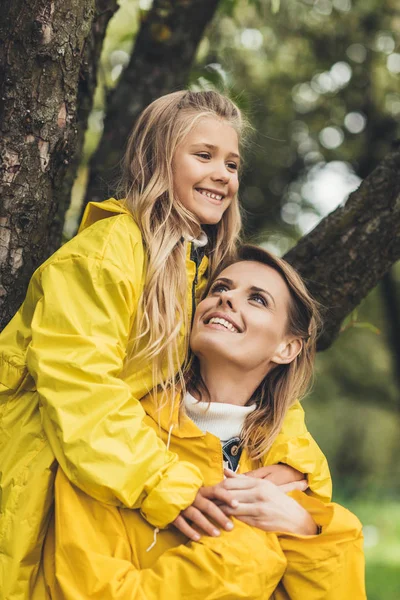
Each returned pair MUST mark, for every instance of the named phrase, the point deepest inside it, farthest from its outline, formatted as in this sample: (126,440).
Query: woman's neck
(228,385)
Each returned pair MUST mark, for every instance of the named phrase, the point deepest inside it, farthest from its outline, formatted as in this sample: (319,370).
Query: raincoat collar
(170,415)
(95,211)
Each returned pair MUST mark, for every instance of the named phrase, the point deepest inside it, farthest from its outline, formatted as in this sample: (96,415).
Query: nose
(227,299)
(221,173)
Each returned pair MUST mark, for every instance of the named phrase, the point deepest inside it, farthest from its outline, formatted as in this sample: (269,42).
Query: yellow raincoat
(63,398)
(98,551)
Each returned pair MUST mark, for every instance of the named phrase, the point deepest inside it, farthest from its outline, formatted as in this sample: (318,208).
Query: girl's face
(243,320)
(205,169)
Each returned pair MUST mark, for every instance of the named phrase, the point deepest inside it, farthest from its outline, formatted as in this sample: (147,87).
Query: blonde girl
(106,319)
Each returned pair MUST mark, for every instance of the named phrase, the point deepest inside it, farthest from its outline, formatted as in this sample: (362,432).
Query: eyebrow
(253,288)
(212,147)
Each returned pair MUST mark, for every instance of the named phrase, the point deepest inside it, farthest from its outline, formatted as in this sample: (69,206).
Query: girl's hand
(279,474)
(203,509)
(264,505)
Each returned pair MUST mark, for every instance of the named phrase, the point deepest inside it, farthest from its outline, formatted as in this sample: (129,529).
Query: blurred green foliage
(381,524)
(319,80)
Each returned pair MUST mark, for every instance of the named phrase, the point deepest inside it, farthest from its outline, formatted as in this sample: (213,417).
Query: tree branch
(346,255)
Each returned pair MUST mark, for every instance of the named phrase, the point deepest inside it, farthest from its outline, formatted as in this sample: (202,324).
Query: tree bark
(41,85)
(164,51)
(346,255)
(87,83)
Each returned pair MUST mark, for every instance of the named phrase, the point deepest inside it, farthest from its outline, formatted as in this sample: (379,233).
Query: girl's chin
(210,219)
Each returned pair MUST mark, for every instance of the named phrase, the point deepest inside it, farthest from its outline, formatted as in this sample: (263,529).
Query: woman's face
(243,320)
(205,169)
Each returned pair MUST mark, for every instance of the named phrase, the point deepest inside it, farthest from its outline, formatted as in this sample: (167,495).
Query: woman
(253,340)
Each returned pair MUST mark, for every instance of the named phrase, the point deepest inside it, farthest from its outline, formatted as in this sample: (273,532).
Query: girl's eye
(218,288)
(259,299)
(204,155)
(232,166)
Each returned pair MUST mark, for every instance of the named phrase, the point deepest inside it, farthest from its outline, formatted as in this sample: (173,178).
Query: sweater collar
(222,420)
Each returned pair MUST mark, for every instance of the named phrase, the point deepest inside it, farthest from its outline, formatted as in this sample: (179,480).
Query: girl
(105,320)
(253,340)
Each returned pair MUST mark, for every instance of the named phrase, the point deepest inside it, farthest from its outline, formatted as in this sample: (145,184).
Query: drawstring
(169,435)
(157,530)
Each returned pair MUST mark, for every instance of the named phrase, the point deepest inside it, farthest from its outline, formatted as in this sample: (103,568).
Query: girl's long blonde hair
(285,383)
(163,311)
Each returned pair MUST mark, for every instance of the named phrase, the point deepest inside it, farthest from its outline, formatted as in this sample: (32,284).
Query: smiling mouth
(226,324)
(208,194)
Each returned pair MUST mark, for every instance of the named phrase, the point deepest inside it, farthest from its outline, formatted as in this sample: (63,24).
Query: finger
(260,473)
(249,521)
(281,474)
(214,512)
(260,493)
(239,483)
(184,527)
(201,521)
(229,473)
(243,510)
(218,493)
(295,485)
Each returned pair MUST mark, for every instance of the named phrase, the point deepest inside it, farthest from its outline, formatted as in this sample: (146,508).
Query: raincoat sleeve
(328,566)
(88,555)
(80,330)
(295,447)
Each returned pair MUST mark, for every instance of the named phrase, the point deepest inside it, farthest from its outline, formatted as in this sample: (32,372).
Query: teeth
(210,194)
(223,322)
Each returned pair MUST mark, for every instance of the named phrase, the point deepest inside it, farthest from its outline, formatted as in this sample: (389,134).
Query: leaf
(365,325)
(352,322)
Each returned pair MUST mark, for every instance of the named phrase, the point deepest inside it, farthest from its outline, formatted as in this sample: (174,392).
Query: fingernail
(216,532)
(229,526)
(234,503)
(196,538)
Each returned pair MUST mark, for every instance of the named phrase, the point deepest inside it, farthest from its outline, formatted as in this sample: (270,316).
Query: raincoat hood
(96,211)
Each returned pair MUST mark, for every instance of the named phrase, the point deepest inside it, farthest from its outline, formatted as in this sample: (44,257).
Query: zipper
(194,257)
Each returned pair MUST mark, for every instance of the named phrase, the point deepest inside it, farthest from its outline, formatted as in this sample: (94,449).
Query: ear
(287,351)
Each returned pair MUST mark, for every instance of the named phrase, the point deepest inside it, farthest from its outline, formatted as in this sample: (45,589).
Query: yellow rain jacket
(63,398)
(98,551)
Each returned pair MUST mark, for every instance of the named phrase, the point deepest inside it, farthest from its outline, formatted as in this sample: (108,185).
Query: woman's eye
(259,299)
(218,288)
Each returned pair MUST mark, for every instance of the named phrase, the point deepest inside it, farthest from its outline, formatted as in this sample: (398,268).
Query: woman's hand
(264,505)
(279,474)
(205,508)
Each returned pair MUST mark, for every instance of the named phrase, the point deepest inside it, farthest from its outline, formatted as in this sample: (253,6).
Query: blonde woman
(106,319)
(253,343)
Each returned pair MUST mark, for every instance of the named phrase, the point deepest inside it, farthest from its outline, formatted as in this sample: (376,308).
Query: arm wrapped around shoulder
(94,424)
(296,447)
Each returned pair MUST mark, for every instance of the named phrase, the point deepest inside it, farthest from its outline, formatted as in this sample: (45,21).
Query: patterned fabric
(232,451)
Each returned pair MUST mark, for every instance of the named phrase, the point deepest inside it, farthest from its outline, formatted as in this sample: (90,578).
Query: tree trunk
(43,44)
(164,51)
(346,255)
(87,83)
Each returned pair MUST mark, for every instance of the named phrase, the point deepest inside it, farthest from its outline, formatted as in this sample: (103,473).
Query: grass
(381,523)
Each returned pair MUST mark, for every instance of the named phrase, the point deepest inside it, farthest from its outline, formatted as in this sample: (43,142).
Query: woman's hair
(285,383)
(164,222)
